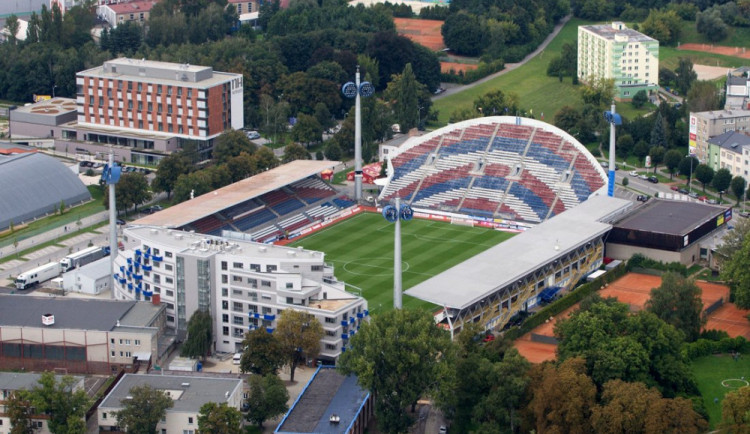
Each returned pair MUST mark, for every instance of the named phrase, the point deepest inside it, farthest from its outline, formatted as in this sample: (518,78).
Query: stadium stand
(503,166)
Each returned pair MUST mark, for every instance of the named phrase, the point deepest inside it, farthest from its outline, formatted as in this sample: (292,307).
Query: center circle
(373,267)
(735,383)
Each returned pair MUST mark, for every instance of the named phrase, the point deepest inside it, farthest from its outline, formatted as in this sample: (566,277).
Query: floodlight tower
(110,177)
(357,90)
(613,119)
(394,214)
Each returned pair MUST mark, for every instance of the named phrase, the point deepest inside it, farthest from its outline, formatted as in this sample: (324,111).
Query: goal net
(462,221)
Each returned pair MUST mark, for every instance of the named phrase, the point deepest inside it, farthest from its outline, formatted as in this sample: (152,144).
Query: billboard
(693,133)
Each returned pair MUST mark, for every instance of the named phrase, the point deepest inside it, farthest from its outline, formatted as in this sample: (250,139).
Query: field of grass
(710,371)
(535,89)
(737,37)
(669,57)
(361,250)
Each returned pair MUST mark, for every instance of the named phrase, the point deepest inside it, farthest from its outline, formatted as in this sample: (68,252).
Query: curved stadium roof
(32,185)
(496,167)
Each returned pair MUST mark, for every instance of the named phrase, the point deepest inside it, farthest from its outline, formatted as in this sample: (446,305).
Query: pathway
(508,67)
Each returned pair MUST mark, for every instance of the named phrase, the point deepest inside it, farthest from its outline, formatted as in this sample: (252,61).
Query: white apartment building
(244,285)
(704,125)
(613,51)
(188,395)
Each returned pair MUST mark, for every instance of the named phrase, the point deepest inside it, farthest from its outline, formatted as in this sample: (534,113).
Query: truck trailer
(83,257)
(37,275)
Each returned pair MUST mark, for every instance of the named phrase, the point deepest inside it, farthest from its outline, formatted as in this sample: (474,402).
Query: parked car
(693,194)
(653,179)
(674,188)
(643,177)
(702,198)
(252,135)
(633,173)
(712,201)
(120,221)
(642,198)
(682,191)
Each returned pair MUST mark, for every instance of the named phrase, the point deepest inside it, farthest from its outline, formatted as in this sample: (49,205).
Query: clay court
(448,67)
(423,32)
(634,289)
(740,52)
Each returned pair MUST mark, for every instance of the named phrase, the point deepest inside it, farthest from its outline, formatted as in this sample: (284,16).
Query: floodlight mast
(397,259)
(112,231)
(357,142)
(613,119)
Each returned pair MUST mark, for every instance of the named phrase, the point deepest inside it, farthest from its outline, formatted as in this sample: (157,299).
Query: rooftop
(669,217)
(327,393)
(188,393)
(609,31)
(23,380)
(156,72)
(720,114)
(234,194)
(731,140)
(499,266)
(73,313)
(51,107)
(132,7)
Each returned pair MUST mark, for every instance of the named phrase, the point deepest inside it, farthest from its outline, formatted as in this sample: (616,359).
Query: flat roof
(669,217)
(195,391)
(327,393)
(134,7)
(70,313)
(721,114)
(499,266)
(25,380)
(49,107)
(234,194)
(608,31)
(156,72)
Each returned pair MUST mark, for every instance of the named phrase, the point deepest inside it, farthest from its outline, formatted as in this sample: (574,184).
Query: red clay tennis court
(423,32)
(634,289)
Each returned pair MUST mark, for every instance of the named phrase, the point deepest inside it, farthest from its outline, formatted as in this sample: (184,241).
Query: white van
(237,358)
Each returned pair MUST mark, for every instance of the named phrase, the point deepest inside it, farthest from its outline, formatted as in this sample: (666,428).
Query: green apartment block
(613,51)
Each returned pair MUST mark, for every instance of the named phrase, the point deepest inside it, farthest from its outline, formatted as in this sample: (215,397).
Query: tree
(398,357)
(703,96)
(709,24)
(496,103)
(657,156)
(704,174)
(462,32)
(231,143)
(267,399)
(641,150)
(266,159)
(143,412)
(262,353)
(735,411)
(639,99)
(219,419)
(132,190)
(677,301)
(662,25)
(298,334)
(333,151)
(66,408)
(18,408)
(403,92)
(12,25)
(685,75)
(561,398)
(598,91)
(61,207)
(687,167)
(633,407)
(738,185)
(734,268)
(658,137)
(167,172)
(722,180)
(567,118)
(672,161)
(199,335)
(307,130)
(294,151)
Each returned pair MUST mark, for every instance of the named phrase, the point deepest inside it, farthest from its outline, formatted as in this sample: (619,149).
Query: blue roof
(327,393)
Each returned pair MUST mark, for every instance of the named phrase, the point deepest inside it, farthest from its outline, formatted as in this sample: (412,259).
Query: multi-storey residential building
(738,89)
(731,151)
(244,285)
(704,125)
(613,51)
(188,395)
(91,336)
(139,104)
(126,11)
(10,383)
(245,6)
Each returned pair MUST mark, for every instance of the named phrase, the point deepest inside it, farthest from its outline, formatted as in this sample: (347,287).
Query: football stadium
(509,211)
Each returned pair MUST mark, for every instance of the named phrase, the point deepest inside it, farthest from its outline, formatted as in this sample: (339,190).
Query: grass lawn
(71,215)
(710,371)
(669,57)
(361,250)
(737,37)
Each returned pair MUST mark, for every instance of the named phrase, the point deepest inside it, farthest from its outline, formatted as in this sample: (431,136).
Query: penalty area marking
(735,383)
(378,270)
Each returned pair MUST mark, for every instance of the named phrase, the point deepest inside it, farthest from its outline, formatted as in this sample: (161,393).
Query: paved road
(508,67)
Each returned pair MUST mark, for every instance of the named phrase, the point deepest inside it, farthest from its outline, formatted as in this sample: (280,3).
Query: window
(330,320)
(225,317)
(224,265)
(237,279)
(237,265)
(169,280)
(170,293)
(113,354)
(265,283)
(224,278)
(238,320)
(224,292)
(190,420)
(168,254)
(255,267)
(289,300)
(167,267)
(224,304)
(225,331)
(316,268)
(290,285)
(271,268)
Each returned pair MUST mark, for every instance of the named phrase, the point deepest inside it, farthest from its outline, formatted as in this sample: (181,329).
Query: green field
(361,250)
(710,371)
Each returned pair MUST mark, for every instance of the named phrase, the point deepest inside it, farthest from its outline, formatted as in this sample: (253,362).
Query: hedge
(705,347)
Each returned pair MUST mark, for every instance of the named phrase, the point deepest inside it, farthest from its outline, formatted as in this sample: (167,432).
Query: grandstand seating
(209,225)
(311,190)
(530,172)
(254,219)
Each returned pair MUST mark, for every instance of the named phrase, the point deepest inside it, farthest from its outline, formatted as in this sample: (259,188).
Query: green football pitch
(361,250)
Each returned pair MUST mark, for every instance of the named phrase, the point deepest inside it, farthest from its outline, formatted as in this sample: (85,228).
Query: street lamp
(394,214)
(690,179)
(54,86)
